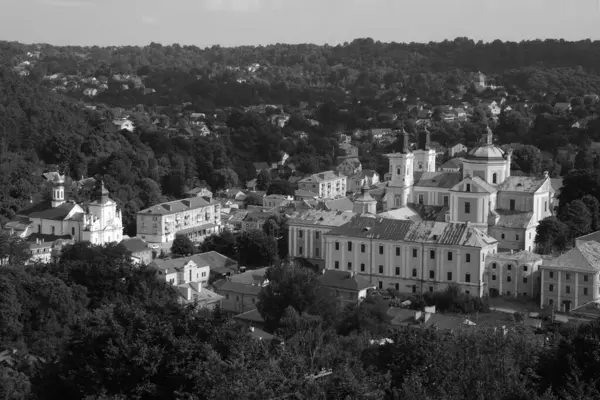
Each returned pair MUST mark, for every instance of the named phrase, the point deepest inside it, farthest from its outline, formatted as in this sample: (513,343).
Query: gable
(475,184)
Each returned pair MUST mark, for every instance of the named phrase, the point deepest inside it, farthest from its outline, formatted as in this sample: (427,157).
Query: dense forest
(94,326)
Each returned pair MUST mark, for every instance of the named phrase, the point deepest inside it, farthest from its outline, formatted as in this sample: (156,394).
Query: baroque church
(97,221)
(483,193)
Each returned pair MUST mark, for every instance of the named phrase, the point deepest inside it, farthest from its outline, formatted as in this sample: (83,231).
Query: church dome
(487,151)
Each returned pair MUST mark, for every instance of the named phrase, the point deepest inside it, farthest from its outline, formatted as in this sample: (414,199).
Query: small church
(97,221)
(483,193)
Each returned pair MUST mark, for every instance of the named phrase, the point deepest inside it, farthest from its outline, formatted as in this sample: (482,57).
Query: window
(40,228)
(467,207)
(585,291)
(509,267)
(349,246)
(568,289)
(362,267)
(380,285)
(567,276)
(363,248)
(493,277)
(430,289)
(414,253)
(546,205)
(446,201)
(550,302)
(300,250)
(517,236)
(397,270)
(414,272)
(525,268)
(493,265)
(421,199)
(468,278)
(508,292)
(414,288)
(467,257)
(503,236)
(317,235)
(381,269)
(524,280)
(397,251)
(380,249)
(551,288)
(551,275)
(53,230)
(512,205)
(73,231)
(508,279)
(449,256)
(467,292)
(468,187)
(317,252)
(432,254)
(337,265)
(431,274)
(397,286)
(300,233)
(449,276)
(398,171)
(337,245)
(494,178)
(585,278)
(349,266)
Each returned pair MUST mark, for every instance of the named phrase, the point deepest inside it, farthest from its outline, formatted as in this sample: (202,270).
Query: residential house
(124,124)
(140,252)
(379,133)
(366,177)
(348,287)
(307,229)
(46,248)
(200,191)
(409,256)
(241,291)
(457,149)
(305,195)
(346,139)
(571,280)
(328,184)
(276,200)
(194,217)
(493,106)
(177,271)
(341,204)
(251,185)
(460,114)
(220,266)
(347,151)
(255,220)
(513,274)
(349,167)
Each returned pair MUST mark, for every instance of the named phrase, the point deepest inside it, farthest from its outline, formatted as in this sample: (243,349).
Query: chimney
(418,315)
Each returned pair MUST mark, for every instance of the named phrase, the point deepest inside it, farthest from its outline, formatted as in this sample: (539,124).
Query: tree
(577,217)
(593,205)
(551,234)
(224,243)
(282,187)
(257,249)
(182,246)
(263,180)
(370,315)
(13,249)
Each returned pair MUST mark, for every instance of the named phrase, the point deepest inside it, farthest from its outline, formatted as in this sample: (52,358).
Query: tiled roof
(57,213)
(583,257)
(343,280)
(514,219)
(483,184)
(443,233)
(437,179)
(452,163)
(250,316)
(239,288)
(320,217)
(305,193)
(521,256)
(430,213)
(250,277)
(322,177)
(175,264)
(341,204)
(216,260)
(18,223)
(176,206)
(524,184)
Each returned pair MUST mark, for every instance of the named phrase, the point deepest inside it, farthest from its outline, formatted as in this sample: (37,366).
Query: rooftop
(445,180)
(514,219)
(345,280)
(583,257)
(524,184)
(175,264)
(250,277)
(320,217)
(322,177)
(176,206)
(135,245)
(454,163)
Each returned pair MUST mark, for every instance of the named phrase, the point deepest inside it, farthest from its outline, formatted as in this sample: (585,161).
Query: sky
(261,22)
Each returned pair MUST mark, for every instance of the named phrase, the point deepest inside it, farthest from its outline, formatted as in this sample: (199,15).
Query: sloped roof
(175,264)
(305,193)
(429,212)
(453,163)
(250,316)
(345,280)
(216,260)
(135,245)
(514,219)
(341,204)
(322,177)
(241,288)
(523,184)
(483,184)
(583,257)
(320,217)
(423,232)
(176,206)
(46,211)
(250,277)
(440,179)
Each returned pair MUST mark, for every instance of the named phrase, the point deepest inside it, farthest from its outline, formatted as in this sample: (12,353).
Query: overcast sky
(239,22)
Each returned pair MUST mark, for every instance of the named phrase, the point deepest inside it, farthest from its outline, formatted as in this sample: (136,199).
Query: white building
(327,185)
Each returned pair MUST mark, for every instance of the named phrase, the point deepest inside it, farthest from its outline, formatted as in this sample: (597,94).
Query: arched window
(495,178)
(398,171)
(397,202)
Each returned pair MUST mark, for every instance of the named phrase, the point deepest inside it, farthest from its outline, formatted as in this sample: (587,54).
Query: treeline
(94,326)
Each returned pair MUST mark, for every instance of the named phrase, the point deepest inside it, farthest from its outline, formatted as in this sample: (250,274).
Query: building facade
(326,185)
(194,217)
(514,274)
(411,257)
(571,280)
(307,229)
